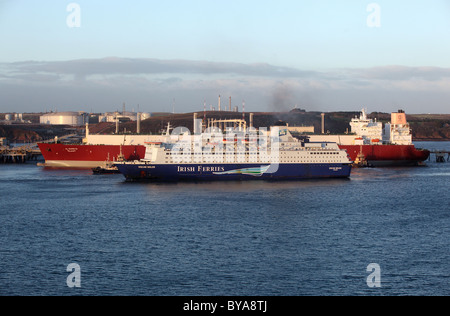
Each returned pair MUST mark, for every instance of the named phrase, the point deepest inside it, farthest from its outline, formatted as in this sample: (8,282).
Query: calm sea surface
(231,238)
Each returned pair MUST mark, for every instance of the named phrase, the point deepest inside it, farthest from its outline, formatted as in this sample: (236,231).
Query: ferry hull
(173,172)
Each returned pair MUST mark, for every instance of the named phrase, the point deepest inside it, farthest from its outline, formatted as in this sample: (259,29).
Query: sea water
(312,237)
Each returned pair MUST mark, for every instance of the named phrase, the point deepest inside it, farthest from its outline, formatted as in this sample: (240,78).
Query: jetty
(441,155)
(18,154)
(27,152)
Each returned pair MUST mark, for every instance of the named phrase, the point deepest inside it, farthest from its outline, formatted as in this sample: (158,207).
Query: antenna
(173,106)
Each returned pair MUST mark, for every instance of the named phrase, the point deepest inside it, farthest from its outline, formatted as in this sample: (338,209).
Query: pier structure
(28,152)
(441,156)
(19,154)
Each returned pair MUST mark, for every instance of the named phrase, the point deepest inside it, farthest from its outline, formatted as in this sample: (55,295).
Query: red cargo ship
(88,156)
(91,156)
(369,143)
(388,155)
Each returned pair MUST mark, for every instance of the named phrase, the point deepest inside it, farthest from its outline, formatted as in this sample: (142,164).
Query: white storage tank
(64,118)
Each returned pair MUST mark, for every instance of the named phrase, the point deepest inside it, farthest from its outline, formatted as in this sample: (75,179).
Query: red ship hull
(388,155)
(91,156)
(87,156)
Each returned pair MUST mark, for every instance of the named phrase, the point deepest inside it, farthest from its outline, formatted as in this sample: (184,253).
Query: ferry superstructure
(288,158)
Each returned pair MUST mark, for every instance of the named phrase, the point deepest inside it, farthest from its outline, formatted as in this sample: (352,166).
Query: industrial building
(301,129)
(15,118)
(112,117)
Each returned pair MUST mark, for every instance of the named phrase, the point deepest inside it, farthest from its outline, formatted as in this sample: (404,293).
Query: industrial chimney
(323,123)
(138,128)
(195,124)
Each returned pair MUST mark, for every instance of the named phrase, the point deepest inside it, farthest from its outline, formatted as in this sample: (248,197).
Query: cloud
(112,65)
(398,73)
(175,69)
(108,82)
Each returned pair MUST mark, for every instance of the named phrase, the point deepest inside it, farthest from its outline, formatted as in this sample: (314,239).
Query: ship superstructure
(398,131)
(374,145)
(368,131)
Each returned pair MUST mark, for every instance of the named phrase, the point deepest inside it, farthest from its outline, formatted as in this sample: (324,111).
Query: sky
(320,55)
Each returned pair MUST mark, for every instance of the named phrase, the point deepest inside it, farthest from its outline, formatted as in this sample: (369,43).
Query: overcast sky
(324,55)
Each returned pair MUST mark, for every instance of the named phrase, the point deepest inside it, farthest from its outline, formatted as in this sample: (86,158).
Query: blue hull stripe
(173,172)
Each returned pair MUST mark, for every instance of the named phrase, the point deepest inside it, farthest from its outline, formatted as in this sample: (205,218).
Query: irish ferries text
(201,169)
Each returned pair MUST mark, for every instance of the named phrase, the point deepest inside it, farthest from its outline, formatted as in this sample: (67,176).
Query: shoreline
(431,140)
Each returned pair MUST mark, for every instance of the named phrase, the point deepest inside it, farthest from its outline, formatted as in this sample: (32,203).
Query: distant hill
(424,126)
(430,127)
(30,133)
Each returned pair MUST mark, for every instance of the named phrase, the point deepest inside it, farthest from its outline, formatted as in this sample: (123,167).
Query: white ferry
(245,159)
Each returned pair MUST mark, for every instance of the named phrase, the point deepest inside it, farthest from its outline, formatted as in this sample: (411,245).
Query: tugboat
(109,167)
(361,161)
